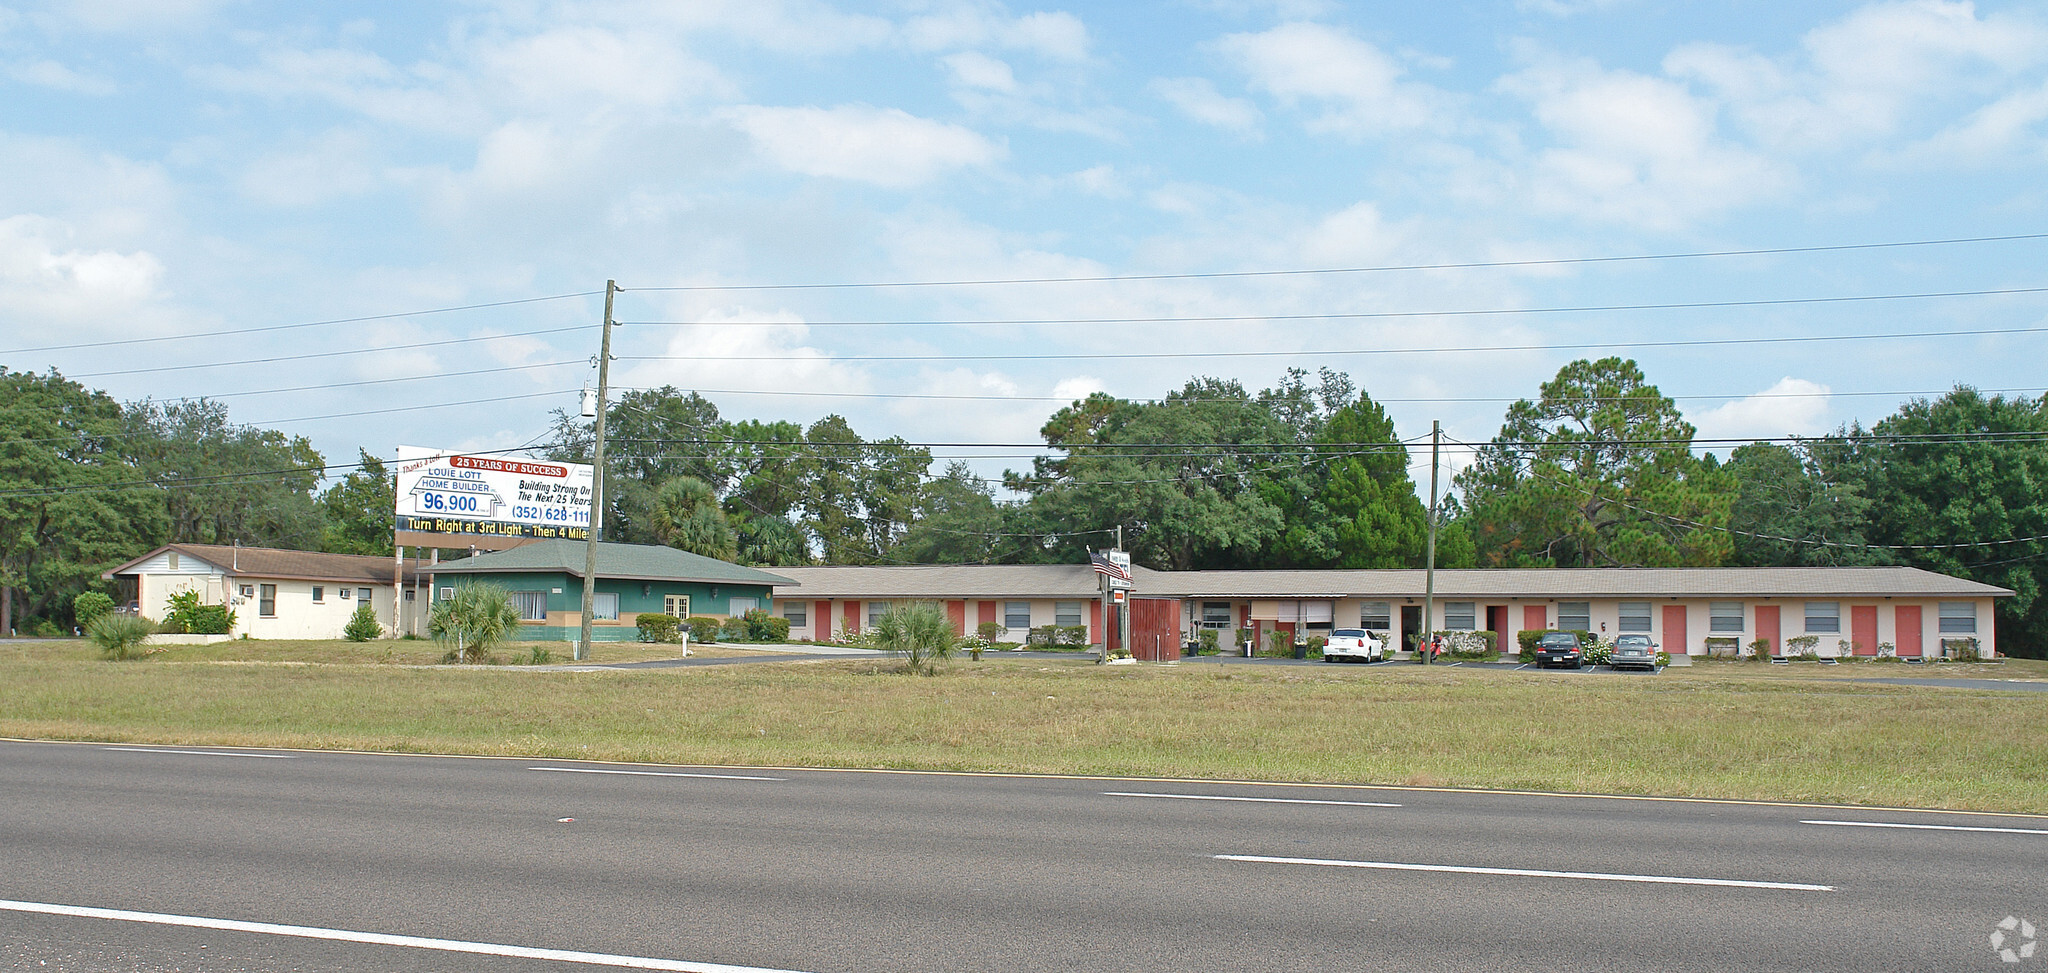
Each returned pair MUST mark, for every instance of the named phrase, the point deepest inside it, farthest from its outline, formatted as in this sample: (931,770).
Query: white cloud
(1358,86)
(771,345)
(1792,407)
(1198,99)
(1078,387)
(50,74)
(50,286)
(1634,149)
(581,68)
(976,70)
(336,164)
(1869,75)
(884,146)
(1056,35)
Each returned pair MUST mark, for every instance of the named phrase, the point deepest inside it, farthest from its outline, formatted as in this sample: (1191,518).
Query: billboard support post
(604,361)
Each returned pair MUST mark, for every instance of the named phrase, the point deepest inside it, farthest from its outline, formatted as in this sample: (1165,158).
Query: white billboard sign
(440,492)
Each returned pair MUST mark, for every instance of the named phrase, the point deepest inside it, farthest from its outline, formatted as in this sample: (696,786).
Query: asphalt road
(658,867)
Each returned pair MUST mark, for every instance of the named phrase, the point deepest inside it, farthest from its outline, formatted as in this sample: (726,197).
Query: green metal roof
(634,562)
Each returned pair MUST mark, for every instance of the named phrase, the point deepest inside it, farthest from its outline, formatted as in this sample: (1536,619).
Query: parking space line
(1249,800)
(649,773)
(1532,873)
(383,939)
(1925,827)
(204,753)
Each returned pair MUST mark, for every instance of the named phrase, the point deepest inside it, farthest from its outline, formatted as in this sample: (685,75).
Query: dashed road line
(650,773)
(1532,873)
(1250,800)
(1926,827)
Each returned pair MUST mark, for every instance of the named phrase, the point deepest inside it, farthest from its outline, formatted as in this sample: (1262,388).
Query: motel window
(604,605)
(1724,616)
(876,609)
(363,593)
(266,604)
(737,607)
(1635,616)
(320,594)
(1376,616)
(532,605)
(1461,616)
(1575,616)
(1066,613)
(1823,616)
(797,613)
(1215,614)
(1958,618)
(675,606)
(1016,614)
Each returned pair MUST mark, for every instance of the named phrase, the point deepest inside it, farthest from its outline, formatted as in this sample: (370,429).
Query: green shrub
(1279,644)
(1799,645)
(765,627)
(120,636)
(188,615)
(656,627)
(1073,634)
(991,632)
(703,628)
(362,626)
(1207,642)
(88,606)
(1044,636)
(1663,658)
(733,630)
(539,656)
(1598,653)
(43,628)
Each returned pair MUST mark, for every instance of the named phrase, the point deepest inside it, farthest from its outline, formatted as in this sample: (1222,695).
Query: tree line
(1599,469)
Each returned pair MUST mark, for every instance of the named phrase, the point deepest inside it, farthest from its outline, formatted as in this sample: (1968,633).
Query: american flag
(1103,565)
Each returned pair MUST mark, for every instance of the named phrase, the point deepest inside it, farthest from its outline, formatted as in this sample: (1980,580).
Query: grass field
(1723,730)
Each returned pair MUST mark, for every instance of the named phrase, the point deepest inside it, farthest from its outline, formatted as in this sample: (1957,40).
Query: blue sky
(186,167)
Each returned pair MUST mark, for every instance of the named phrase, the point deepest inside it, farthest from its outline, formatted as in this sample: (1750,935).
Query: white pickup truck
(1354,644)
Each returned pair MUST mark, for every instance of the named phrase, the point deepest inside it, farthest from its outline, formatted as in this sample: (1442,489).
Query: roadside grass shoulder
(1715,731)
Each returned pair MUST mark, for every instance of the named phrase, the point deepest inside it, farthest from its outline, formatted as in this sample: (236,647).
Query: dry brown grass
(1724,731)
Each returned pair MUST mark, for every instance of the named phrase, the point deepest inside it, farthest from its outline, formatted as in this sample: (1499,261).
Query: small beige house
(274,594)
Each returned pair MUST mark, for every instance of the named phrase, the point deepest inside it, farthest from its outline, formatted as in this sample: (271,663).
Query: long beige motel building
(1687,611)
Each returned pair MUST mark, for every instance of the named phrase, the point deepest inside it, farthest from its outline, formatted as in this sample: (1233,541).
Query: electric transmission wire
(1469,265)
(289,327)
(1352,315)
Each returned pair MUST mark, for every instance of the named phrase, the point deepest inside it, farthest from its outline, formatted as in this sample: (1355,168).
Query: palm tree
(476,618)
(920,632)
(687,517)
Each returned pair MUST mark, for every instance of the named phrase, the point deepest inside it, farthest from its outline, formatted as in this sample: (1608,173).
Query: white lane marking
(649,773)
(1925,827)
(1252,800)
(1533,873)
(204,753)
(384,939)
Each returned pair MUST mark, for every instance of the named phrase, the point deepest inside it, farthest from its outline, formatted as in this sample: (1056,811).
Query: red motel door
(1535,617)
(1863,628)
(1674,630)
(1906,618)
(1767,626)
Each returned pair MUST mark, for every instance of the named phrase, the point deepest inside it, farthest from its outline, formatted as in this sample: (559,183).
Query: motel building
(275,594)
(1689,612)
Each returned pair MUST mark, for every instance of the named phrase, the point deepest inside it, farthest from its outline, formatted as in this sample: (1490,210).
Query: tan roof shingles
(1079,580)
(267,562)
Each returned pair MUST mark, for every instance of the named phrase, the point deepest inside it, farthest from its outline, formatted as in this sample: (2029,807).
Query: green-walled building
(546,582)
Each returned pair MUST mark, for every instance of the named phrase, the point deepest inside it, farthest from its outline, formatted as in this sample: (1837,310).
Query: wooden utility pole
(1436,438)
(604,362)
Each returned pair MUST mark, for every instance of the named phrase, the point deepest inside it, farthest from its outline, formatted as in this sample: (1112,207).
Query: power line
(1347,352)
(289,327)
(806,393)
(336,354)
(1470,265)
(1357,315)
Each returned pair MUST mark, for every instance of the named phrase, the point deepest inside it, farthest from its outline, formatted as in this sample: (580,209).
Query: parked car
(1560,648)
(1633,650)
(1354,644)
